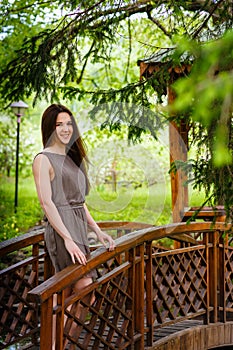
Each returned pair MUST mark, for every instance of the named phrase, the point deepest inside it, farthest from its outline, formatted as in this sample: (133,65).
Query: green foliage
(28,212)
(81,51)
(206,95)
(64,41)
(7,147)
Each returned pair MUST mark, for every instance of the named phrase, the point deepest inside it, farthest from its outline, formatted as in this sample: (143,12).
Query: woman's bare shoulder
(39,159)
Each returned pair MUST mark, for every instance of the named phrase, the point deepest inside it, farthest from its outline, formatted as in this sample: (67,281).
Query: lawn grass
(149,205)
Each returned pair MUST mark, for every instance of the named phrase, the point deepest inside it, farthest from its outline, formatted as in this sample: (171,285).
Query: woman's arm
(102,236)
(43,173)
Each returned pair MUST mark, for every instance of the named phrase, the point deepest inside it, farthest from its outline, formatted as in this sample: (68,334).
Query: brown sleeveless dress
(68,194)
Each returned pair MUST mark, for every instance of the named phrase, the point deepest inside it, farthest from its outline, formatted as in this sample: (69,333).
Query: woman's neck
(56,149)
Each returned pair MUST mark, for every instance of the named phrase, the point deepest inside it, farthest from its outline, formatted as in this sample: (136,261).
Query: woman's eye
(66,124)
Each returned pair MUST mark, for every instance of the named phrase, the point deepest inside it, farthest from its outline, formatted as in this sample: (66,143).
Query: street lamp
(18,109)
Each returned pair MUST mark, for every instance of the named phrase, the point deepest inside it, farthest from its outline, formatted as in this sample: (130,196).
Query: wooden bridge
(145,296)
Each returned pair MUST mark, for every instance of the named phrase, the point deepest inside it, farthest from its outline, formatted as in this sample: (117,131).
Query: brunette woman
(60,173)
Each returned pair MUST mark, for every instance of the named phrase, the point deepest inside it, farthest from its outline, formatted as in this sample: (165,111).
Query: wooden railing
(24,265)
(140,289)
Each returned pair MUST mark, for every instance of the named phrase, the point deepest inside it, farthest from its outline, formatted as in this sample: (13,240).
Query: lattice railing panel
(106,322)
(179,285)
(18,317)
(229,277)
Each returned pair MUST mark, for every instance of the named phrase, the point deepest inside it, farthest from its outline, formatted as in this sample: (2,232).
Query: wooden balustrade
(24,265)
(140,289)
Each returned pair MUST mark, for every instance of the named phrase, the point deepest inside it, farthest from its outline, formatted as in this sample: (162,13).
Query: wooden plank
(220,330)
(172,344)
(186,340)
(211,336)
(199,338)
(227,333)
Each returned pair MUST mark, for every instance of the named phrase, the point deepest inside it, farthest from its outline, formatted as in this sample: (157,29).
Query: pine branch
(212,10)
(158,24)
(40,62)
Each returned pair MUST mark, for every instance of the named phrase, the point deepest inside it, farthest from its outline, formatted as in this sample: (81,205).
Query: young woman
(60,173)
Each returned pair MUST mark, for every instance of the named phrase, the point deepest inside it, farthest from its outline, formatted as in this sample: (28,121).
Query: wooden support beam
(178,134)
(178,141)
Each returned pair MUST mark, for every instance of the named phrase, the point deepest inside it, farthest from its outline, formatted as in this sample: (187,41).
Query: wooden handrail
(37,235)
(131,240)
(21,241)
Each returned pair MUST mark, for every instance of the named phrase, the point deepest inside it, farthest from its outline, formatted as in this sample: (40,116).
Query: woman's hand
(103,237)
(75,252)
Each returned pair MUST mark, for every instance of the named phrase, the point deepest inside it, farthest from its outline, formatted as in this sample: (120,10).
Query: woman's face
(64,128)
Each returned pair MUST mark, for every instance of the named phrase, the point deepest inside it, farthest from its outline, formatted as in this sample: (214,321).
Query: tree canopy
(48,45)
(80,49)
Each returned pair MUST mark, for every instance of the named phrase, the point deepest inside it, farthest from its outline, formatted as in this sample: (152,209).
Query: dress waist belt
(71,205)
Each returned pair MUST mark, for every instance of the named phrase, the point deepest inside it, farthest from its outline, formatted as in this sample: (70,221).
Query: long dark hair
(76,148)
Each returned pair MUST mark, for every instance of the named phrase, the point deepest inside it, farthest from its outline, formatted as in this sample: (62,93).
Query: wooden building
(163,62)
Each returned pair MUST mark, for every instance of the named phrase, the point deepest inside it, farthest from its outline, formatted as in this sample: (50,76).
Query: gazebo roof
(165,55)
(162,55)
(148,66)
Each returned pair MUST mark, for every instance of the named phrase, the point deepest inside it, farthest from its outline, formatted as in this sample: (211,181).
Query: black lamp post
(18,109)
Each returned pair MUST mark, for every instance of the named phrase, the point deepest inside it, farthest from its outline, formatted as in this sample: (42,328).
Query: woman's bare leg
(81,311)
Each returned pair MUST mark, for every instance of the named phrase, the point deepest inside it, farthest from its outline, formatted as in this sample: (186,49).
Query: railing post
(60,320)
(213,275)
(139,297)
(35,267)
(131,258)
(206,243)
(149,301)
(46,330)
(222,277)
